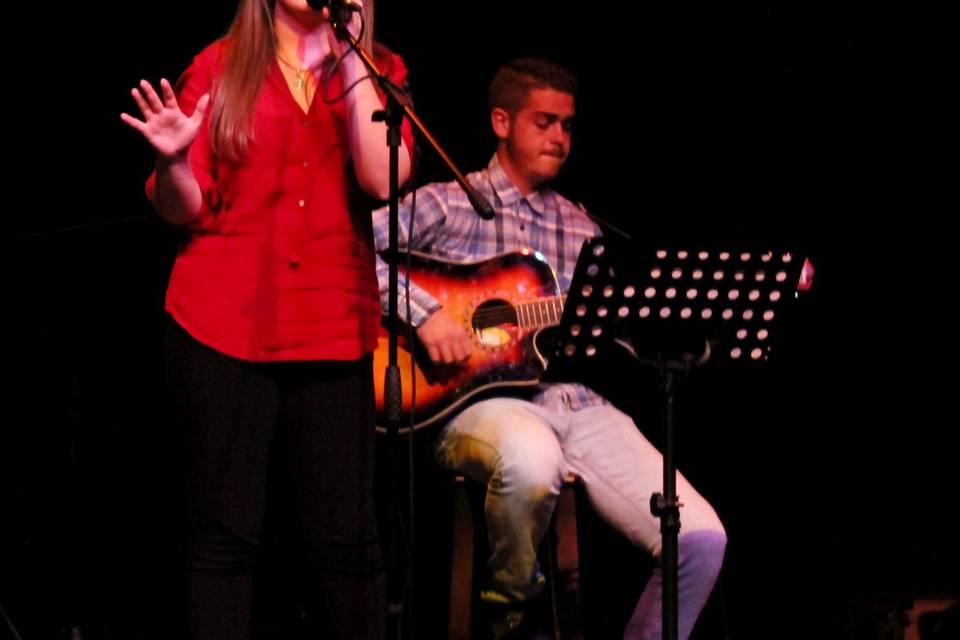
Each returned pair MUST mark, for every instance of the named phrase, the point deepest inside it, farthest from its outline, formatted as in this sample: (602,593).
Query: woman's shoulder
(391,64)
(211,57)
(205,66)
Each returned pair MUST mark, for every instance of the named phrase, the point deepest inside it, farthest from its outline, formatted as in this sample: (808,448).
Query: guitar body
(502,302)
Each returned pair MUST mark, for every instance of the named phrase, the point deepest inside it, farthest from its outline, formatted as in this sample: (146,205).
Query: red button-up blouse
(280,263)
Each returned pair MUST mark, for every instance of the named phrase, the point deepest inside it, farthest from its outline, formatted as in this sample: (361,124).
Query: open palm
(164,125)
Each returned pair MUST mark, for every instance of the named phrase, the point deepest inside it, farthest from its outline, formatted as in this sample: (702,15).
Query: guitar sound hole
(494,323)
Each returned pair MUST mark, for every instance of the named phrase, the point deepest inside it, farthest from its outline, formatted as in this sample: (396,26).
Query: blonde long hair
(250,49)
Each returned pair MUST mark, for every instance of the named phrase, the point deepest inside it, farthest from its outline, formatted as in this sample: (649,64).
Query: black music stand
(676,308)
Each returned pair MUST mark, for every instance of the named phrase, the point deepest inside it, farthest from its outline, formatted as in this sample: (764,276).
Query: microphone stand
(397,108)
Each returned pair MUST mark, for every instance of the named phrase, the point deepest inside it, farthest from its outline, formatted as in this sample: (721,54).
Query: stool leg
(562,564)
(565,567)
(461,568)
(554,576)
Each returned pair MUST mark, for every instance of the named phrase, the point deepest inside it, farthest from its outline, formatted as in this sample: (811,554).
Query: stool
(560,548)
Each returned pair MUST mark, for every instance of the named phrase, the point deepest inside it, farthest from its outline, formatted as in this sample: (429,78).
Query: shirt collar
(508,194)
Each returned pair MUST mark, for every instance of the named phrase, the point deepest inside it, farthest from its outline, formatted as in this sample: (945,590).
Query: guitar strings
(493,315)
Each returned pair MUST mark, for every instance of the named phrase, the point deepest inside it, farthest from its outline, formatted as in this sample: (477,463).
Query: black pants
(233,411)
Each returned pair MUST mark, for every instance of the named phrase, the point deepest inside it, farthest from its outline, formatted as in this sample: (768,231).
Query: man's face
(536,140)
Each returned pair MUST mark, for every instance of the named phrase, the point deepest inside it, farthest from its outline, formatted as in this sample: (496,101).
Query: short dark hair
(515,79)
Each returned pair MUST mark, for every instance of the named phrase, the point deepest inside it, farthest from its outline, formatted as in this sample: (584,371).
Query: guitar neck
(544,312)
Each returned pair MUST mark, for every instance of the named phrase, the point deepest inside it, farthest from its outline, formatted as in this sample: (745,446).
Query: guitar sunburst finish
(502,303)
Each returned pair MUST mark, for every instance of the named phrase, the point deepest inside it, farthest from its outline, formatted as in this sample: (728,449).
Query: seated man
(521,448)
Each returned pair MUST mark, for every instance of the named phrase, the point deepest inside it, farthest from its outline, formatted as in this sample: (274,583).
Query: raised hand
(168,130)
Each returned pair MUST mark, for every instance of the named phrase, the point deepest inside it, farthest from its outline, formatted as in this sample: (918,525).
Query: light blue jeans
(522,451)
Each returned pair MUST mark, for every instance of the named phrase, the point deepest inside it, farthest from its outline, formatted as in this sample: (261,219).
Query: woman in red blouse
(268,158)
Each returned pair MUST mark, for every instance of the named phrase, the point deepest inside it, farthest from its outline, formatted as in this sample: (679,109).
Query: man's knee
(532,467)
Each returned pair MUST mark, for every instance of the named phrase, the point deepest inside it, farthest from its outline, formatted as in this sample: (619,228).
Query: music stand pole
(665,505)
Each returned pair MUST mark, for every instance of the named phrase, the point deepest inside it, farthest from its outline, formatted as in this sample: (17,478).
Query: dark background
(792,125)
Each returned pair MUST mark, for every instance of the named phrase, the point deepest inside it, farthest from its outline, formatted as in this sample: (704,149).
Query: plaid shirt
(446,226)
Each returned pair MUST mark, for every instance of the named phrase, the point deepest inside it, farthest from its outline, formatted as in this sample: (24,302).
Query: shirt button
(294,262)
(523,227)
(306,123)
(306,163)
(302,202)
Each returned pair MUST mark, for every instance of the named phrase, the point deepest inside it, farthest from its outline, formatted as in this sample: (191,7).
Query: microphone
(480,204)
(339,9)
